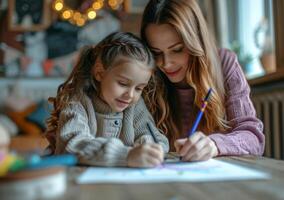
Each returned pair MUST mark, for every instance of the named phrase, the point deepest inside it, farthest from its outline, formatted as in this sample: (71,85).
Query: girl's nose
(130,92)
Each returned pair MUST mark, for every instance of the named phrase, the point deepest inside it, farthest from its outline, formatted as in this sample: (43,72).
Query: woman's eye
(178,50)
(139,89)
(156,53)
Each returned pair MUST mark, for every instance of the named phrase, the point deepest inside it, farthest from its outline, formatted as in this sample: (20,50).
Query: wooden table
(228,190)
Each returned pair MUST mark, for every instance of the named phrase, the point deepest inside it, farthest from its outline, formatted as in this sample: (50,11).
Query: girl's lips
(173,73)
(122,103)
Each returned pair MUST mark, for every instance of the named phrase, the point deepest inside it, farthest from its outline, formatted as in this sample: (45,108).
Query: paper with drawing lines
(211,170)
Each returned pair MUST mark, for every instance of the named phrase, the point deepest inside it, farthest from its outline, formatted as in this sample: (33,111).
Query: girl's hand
(145,155)
(198,147)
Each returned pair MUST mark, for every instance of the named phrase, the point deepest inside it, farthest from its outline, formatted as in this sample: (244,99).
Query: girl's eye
(122,83)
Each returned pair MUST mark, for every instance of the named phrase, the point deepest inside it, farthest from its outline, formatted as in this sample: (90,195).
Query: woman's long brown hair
(186,18)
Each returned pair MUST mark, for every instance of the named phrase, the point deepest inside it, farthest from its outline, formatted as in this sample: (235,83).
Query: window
(247,27)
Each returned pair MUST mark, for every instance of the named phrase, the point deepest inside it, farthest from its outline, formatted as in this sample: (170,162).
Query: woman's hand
(196,148)
(145,155)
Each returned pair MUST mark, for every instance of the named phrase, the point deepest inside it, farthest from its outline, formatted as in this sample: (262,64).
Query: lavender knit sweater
(245,135)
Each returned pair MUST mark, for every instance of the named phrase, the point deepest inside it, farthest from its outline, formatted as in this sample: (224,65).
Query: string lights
(87,11)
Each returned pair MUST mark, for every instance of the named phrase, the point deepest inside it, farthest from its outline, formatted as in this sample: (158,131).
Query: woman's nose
(165,62)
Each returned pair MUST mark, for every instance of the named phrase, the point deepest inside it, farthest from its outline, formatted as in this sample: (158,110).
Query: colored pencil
(200,113)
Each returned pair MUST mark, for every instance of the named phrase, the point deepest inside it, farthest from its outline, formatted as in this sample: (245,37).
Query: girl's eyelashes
(122,83)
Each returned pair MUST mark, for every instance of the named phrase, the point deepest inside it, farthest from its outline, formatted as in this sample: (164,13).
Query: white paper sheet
(211,170)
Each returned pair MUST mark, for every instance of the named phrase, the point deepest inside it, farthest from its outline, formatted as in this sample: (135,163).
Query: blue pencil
(200,113)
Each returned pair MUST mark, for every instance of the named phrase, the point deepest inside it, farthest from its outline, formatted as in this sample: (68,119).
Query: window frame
(278,13)
(278,8)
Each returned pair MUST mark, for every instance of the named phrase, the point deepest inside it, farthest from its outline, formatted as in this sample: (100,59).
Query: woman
(189,64)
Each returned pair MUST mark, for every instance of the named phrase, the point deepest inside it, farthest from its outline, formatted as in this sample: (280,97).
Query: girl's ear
(98,71)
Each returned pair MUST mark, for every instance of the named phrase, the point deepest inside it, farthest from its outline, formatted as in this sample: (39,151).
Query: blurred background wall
(40,41)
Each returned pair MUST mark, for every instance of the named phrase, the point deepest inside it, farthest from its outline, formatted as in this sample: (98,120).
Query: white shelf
(32,88)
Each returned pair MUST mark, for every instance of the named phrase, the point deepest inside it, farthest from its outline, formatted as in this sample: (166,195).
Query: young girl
(98,113)
(189,64)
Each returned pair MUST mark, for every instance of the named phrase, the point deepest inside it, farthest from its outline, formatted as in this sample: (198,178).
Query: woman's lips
(173,73)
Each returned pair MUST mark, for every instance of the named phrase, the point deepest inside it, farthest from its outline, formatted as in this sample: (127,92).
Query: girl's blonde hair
(81,81)
(186,18)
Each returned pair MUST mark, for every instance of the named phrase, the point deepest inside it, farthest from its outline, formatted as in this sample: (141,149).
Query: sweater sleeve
(74,136)
(142,135)
(245,135)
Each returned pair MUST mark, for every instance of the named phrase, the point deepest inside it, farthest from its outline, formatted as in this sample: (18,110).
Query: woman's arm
(245,135)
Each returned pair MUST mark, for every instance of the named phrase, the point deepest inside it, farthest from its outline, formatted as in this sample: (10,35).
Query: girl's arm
(245,136)
(142,117)
(75,136)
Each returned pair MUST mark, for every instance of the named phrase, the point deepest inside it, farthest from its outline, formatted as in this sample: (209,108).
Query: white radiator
(270,109)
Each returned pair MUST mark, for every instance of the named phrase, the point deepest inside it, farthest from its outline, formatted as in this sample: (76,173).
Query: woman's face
(171,54)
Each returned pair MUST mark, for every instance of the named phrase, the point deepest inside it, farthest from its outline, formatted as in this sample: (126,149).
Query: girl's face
(122,85)
(171,54)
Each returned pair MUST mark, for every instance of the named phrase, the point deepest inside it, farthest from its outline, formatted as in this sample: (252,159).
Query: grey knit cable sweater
(89,129)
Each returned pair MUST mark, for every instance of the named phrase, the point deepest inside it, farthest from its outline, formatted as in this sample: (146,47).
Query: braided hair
(81,80)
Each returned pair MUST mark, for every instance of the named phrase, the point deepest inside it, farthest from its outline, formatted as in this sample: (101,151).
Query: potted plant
(264,42)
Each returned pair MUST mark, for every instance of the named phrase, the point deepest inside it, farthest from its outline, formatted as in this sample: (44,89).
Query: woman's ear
(98,71)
